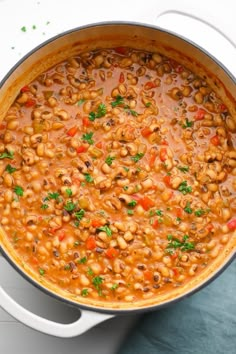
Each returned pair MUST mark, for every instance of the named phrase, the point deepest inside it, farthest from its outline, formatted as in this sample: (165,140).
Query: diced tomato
(25,89)
(112,252)
(81,149)
(152,160)
(166,180)
(40,218)
(210,227)
(155,224)
(176,271)
(72,131)
(99,145)
(163,154)
(86,122)
(96,223)
(149,85)
(77,181)
(164,142)
(90,243)
(174,255)
(215,140)
(179,69)
(122,78)
(2,126)
(61,235)
(179,212)
(146,203)
(30,102)
(232,224)
(222,107)
(200,114)
(148,274)
(34,260)
(121,50)
(146,132)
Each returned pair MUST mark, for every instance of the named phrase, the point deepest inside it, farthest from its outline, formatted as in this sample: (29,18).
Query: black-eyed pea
(193,269)
(40,149)
(214,253)
(8,180)
(164,271)
(125,62)
(226,214)
(50,153)
(167,261)
(42,251)
(231,124)
(106,168)
(211,245)
(212,187)
(128,236)
(224,239)
(4,220)
(84,281)
(96,268)
(198,97)
(120,226)
(129,298)
(122,243)
(157,58)
(176,182)
(8,195)
(13,124)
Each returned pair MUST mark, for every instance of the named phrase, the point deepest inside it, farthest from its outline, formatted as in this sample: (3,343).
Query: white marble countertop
(61,15)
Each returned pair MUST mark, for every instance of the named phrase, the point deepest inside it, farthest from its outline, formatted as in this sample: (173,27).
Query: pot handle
(215,18)
(87,320)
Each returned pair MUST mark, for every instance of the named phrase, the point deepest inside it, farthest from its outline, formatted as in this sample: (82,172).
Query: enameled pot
(57,49)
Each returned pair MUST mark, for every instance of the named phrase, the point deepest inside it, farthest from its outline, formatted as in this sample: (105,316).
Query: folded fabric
(204,323)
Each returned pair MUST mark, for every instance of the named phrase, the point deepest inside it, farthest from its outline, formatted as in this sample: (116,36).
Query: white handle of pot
(212,13)
(87,320)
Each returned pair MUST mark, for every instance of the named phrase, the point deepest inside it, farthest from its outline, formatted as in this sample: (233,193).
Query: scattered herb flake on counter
(10,169)
(7,155)
(19,191)
(23,29)
(34,27)
(80,102)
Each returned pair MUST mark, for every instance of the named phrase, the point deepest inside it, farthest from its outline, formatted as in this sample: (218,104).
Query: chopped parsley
(54,195)
(23,29)
(84,292)
(175,243)
(132,112)
(188,124)
(88,178)
(67,267)
(109,160)
(7,155)
(70,206)
(69,192)
(137,157)
(130,212)
(76,243)
(19,191)
(79,214)
(90,271)
(184,188)
(188,208)
(88,137)
(97,282)
(133,203)
(118,101)
(101,112)
(148,104)
(183,169)
(10,169)
(200,212)
(34,27)
(114,286)
(44,206)
(126,169)
(41,271)
(80,102)
(159,212)
(106,229)
(82,260)
(125,188)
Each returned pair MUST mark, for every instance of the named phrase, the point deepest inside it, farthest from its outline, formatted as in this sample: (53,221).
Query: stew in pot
(117,173)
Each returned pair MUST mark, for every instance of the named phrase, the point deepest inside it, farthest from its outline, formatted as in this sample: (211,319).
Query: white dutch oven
(126,32)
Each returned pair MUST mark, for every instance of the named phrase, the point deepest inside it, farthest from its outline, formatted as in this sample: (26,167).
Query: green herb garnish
(101,112)
(119,101)
(70,206)
(69,192)
(148,104)
(41,271)
(130,212)
(199,212)
(7,155)
(10,169)
(137,157)
(23,29)
(188,124)
(184,188)
(90,271)
(84,292)
(109,160)
(183,169)
(80,102)
(54,195)
(19,191)
(97,282)
(44,206)
(88,178)
(82,260)
(159,212)
(79,214)
(114,286)
(175,243)
(106,229)
(88,137)
(133,203)
(188,208)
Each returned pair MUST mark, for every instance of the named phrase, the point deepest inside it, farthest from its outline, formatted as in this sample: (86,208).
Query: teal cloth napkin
(204,323)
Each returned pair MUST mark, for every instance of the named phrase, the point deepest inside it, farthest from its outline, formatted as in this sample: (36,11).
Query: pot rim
(108,310)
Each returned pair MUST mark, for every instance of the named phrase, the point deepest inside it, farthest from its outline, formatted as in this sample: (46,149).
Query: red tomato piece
(25,89)
(121,50)
(146,203)
(146,132)
(163,154)
(179,212)
(155,224)
(149,85)
(152,160)
(200,114)
(176,271)
(90,243)
(86,122)
(232,224)
(148,274)
(72,131)
(96,223)
(215,140)
(166,180)
(122,78)
(81,149)
(99,145)
(61,235)
(30,103)
(112,252)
